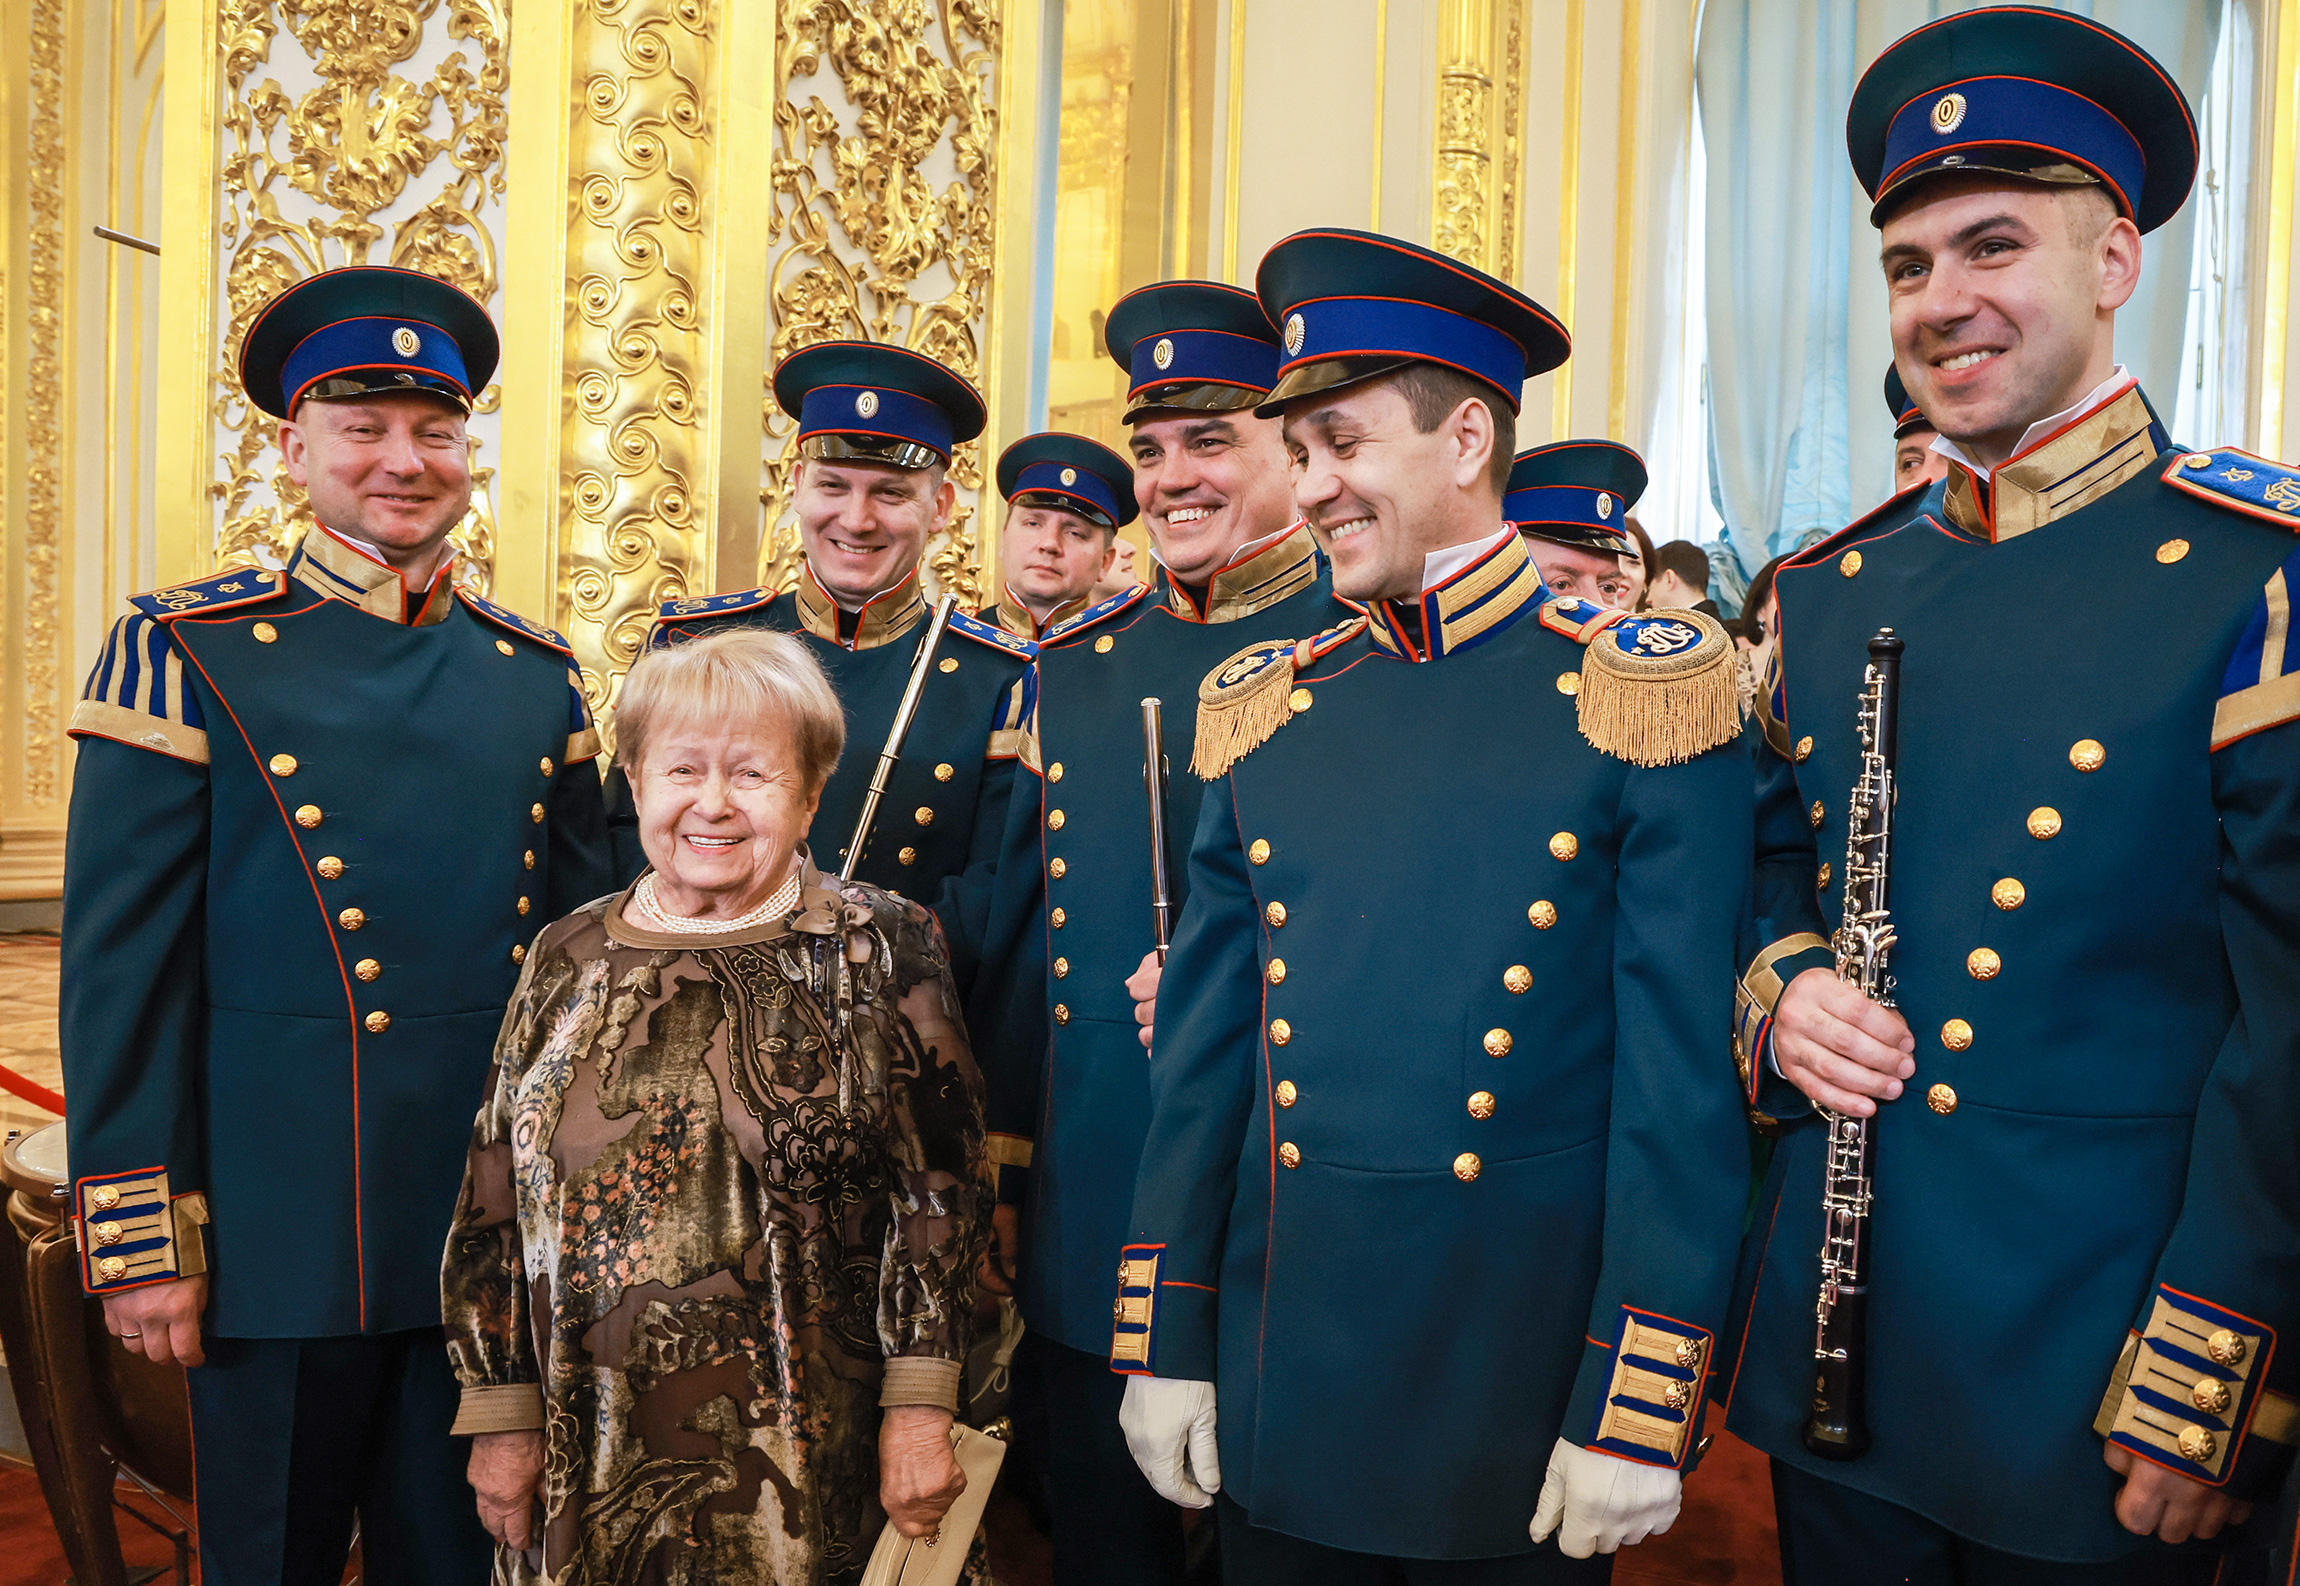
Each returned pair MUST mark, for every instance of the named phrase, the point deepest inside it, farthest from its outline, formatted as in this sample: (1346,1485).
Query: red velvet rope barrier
(38,1095)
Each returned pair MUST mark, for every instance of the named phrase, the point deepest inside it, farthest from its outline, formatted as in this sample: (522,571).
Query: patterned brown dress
(725,1199)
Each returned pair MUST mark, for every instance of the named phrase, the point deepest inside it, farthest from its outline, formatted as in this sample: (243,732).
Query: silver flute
(1838,1427)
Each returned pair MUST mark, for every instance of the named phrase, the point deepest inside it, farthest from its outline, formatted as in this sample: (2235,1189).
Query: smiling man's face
(864,525)
(392,470)
(2003,299)
(1208,483)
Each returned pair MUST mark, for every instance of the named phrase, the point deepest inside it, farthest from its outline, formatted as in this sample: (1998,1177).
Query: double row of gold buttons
(1517,980)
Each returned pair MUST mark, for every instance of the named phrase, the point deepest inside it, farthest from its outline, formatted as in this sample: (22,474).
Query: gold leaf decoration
(43,415)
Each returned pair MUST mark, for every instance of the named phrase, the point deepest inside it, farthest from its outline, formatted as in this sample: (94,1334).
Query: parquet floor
(28,1024)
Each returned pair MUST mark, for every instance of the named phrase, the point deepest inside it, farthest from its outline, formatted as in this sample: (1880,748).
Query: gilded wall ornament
(332,155)
(43,412)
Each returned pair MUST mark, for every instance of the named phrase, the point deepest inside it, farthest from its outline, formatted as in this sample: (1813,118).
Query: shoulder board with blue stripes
(1094,613)
(504,617)
(1578,619)
(2258,486)
(714,605)
(239,587)
(992,634)
(1341,633)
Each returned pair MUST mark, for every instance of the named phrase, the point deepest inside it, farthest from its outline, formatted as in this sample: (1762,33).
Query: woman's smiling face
(722,811)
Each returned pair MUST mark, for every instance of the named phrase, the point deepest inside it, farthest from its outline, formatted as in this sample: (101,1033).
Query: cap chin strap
(354,385)
(870,449)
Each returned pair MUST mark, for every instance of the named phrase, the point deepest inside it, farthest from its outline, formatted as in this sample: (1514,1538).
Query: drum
(88,1404)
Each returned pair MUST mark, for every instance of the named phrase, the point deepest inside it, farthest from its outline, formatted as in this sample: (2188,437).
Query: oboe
(1838,1428)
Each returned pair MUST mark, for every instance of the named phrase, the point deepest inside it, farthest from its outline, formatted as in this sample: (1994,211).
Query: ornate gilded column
(1480,116)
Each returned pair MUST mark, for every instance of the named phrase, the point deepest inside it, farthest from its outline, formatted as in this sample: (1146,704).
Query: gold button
(2198,460)
(1849,563)
(1061,1014)
(943,773)
(1481,1104)
(1103,644)
(2197,1444)
(1287,1094)
(1543,914)
(1941,1099)
(548,767)
(367,969)
(909,856)
(1982,963)
(1565,845)
(1061,918)
(2086,754)
(1518,979)
(2225,1347)
(524,905)
(1280,1032)
(283,765)
(1053,772)
(505,646)
(1956,1035)
(105,1197)
(1677,1395)
(108,1233)
(535,813)
(265,633)
(1821,876)
(1569,683)
(948,663)
(1054,820)
(1259,851)
(527,859)
(307,816)
(518,954)
(1299,699)
(1817,814)
(1688,1353)
(1498,1043)
(2043,822)
(112,1268)
(2008,894)
(2171,551)
(1467,1167)
(378,1021)
(1062,969)
(351,919)
(1804,750)
(924,815)
(1275,914)
(1288,1153)
(1056,868)
(329,867)
(2210,1395)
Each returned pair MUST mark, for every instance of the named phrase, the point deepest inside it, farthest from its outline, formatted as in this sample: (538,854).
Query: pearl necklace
(785,899)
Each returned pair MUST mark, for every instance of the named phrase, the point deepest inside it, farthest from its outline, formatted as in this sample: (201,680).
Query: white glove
(1169,1426)
(1603,1502)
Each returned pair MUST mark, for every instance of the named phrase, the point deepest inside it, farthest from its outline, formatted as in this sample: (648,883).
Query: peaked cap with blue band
(1576,493)
(1071,474)
(1199,346)
(2025,92)
(1908,418)
(870,402)
(364,330)
(1350,305)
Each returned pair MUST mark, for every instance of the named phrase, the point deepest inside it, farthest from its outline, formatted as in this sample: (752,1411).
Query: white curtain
(1798,340)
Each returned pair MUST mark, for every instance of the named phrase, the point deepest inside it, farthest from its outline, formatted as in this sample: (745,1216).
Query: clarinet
(1838,1428)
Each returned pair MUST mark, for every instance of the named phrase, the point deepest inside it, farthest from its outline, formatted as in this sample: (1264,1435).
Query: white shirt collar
(2114,385)
(1438,566)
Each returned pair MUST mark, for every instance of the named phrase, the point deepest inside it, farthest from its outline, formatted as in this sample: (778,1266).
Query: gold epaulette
(1250,696)
(1657,688)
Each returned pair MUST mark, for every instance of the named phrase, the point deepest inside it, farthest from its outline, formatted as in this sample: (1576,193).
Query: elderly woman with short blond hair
(708,1285)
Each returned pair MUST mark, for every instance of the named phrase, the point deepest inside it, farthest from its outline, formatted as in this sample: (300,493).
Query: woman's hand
(505,1472)
(918,1478)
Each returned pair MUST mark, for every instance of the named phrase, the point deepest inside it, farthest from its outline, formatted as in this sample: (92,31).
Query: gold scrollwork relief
(43,411)
(364,165)
(1480,93)
(883,217)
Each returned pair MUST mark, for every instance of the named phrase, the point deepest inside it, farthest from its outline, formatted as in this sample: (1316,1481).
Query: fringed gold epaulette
(1250,696)
(1660,688)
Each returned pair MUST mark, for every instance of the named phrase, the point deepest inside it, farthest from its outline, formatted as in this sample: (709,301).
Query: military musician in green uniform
(1061,534)
(1571,499)
(317,816)
(1438,1199)
(2082,1232)
(1210,478)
